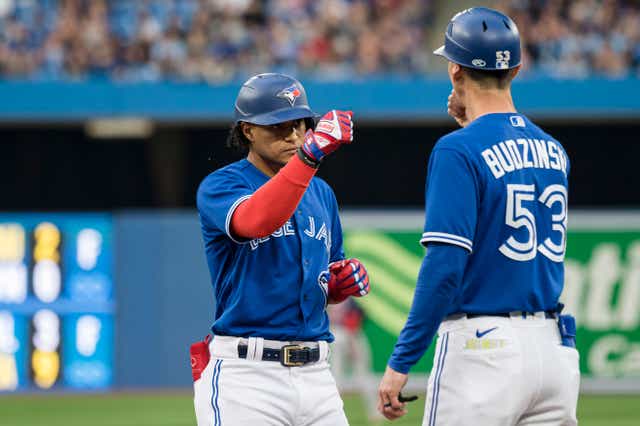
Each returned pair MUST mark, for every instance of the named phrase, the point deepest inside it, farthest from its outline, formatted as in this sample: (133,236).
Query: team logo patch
(290,93)
(323,282)
(502,59)
(517,121)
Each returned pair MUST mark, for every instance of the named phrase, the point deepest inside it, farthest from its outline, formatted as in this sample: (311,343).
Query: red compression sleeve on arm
(274,203)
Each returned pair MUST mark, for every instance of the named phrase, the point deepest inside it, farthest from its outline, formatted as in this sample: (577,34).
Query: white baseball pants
(240,392)
(502,371)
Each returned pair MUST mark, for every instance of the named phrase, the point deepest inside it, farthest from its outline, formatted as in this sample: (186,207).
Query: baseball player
(495,234)
(273,243)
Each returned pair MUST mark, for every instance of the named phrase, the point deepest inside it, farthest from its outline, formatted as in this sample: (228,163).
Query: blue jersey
(269,287)
(498,188)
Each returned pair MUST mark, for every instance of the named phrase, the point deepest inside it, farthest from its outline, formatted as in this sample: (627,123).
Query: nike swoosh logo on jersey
(480,334)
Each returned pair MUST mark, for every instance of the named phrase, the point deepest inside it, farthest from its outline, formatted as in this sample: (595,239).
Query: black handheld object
(403,398)
(410,398)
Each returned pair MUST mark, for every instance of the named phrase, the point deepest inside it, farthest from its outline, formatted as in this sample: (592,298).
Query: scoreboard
(56,302)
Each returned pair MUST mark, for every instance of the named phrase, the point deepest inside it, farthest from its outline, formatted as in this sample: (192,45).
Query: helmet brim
(280,116)
(441,51)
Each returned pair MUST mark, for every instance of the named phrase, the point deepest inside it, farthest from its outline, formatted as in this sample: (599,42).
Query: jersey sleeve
(218,197)
(451,200)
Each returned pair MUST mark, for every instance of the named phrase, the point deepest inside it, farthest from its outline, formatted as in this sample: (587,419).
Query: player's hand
(388,391)
(334,129)
(347,278)
(456,110)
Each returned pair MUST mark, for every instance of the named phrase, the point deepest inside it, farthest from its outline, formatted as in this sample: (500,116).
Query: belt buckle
(285,355)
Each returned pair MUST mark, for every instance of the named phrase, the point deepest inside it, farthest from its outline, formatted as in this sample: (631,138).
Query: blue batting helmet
(270,99)
(483,39)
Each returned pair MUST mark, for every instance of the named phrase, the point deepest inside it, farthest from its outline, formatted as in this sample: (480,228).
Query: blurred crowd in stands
(222,40)
(211,40)
(578,38)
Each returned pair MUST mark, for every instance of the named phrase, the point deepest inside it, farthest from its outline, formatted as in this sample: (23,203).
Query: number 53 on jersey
(521,200)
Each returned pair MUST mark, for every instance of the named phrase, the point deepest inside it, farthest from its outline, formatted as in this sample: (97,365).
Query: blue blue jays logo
(290,93)
(323,282)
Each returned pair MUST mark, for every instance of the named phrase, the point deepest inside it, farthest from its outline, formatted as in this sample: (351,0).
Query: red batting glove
(200,357)
(347,278)
(334,129)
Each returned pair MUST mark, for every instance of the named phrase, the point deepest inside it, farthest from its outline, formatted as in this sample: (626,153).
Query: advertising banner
(602,286)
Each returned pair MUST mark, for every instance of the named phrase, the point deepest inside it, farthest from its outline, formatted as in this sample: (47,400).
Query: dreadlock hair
(236,139)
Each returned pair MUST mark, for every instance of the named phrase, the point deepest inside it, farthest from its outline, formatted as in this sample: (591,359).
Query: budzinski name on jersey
(288,230)
(510,155)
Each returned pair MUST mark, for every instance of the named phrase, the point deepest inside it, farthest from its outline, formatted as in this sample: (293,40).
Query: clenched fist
(347,278)
(334,129)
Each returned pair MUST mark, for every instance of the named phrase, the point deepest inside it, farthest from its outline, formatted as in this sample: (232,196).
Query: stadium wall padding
(164,299)
(383,100)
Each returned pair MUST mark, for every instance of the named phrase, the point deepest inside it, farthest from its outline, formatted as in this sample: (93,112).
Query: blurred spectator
(578,38)
(211,40)
(221,40)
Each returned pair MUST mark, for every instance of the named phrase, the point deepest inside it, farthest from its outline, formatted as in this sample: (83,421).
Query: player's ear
(247,131)
(455,72)
(515,71)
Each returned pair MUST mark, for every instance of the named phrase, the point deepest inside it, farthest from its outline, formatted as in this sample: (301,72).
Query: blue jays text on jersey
(498,188)
(270,287)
